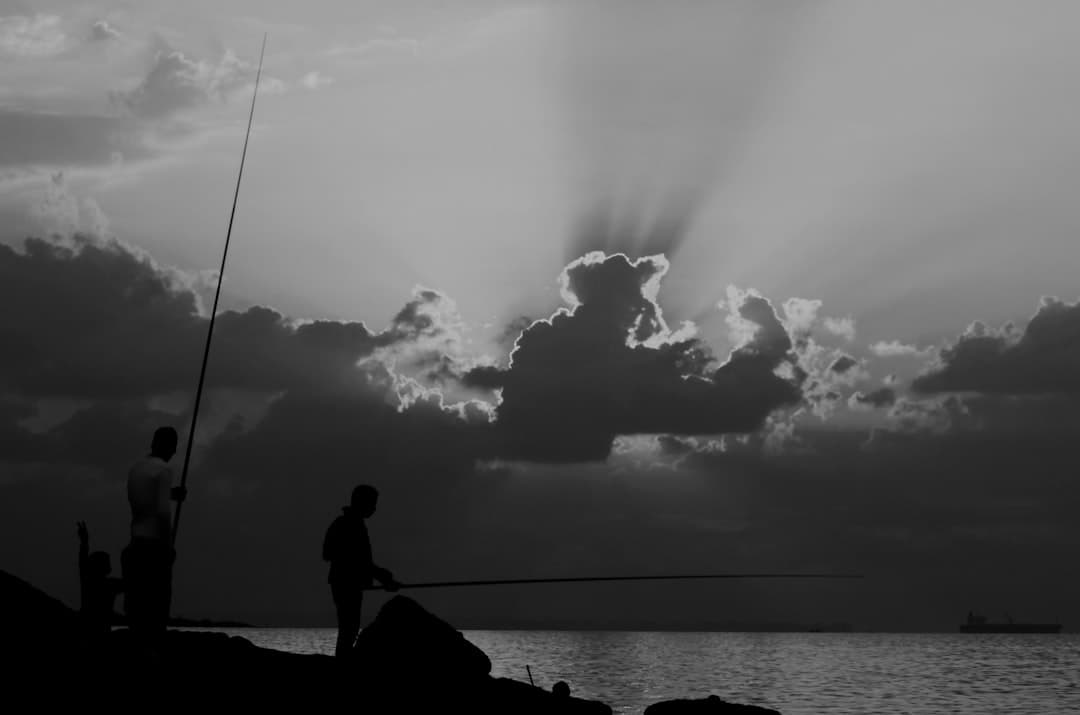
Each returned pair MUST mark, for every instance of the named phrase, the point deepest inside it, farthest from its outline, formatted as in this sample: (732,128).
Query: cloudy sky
(583,288)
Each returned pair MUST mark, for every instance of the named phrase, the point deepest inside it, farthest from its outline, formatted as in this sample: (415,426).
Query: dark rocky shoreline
(407,660)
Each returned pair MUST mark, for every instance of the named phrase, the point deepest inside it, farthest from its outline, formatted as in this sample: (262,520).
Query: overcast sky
(583,287)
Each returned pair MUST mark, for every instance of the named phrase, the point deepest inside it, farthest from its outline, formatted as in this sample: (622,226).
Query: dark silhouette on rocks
(348,549)
(97,588)
(34,621)
(407,660)
(147,561)
(405,636)
(711,705)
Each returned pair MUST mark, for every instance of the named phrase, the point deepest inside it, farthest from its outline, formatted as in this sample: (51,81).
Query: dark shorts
(147,570)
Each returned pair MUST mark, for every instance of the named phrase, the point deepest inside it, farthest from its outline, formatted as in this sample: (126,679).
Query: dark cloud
(947,508)
(881,397)
(93,320)
(106,435)
(843,363)
(610,366)
(1041,359)
(930,508)
(97,320)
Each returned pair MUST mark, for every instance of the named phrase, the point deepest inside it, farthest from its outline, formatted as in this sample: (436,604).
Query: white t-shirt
(149,489)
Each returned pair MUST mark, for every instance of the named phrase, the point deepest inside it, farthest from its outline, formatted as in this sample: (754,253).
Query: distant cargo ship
(979,624)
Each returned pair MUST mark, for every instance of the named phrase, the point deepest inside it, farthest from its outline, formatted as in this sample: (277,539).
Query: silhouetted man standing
(147,561)
(348,550)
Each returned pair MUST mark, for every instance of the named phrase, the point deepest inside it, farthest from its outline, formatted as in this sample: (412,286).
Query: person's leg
(347,604)
(162,588)
(133,571)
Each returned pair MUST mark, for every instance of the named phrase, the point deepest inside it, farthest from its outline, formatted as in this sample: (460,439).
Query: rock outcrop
(407,660)
(406,638)
(711,705)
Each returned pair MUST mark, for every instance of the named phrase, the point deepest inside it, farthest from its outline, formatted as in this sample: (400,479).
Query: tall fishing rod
(217,295)
(582,579)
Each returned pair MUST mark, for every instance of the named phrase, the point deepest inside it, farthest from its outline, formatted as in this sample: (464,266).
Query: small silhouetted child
(561,690)
(98,590)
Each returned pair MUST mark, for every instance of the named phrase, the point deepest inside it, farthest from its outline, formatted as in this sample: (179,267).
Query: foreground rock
(406,638)
(711,705)
(407,660)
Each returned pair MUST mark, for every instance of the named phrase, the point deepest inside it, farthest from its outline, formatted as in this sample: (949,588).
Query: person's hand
(387,580)
(179,493)
(84,534)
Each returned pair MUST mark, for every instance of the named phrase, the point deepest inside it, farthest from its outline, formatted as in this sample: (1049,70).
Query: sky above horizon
(749,258)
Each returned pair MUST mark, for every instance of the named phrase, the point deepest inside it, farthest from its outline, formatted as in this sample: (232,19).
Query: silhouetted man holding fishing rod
(147,561)
(348,549)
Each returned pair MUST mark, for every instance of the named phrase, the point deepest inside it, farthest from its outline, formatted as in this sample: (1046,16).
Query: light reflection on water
(795,673)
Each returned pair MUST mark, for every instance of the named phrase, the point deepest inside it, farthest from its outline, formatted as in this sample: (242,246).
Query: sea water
(795,673)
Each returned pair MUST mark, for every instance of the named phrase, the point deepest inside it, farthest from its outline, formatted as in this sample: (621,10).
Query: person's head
(364,498)
(100,564)
(560,690)
(163,445)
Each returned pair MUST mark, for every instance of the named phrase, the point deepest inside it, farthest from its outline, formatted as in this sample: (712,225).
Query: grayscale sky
(816,264)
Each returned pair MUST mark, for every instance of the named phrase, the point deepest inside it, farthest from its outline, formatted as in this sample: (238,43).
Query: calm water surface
(795,673)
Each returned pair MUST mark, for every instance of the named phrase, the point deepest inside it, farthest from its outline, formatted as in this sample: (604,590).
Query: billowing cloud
(894,348)
(31,36)
(1041,359)
(800,314)
(611,366)
(176,82)
(145,122)
(62,213)
(604,376)
(843,327)
(934,415)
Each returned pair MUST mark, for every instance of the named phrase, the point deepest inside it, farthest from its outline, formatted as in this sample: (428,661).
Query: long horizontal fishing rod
(583,579)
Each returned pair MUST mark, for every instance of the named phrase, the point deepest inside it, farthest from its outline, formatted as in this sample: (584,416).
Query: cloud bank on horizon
(604,366)
(111,349)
